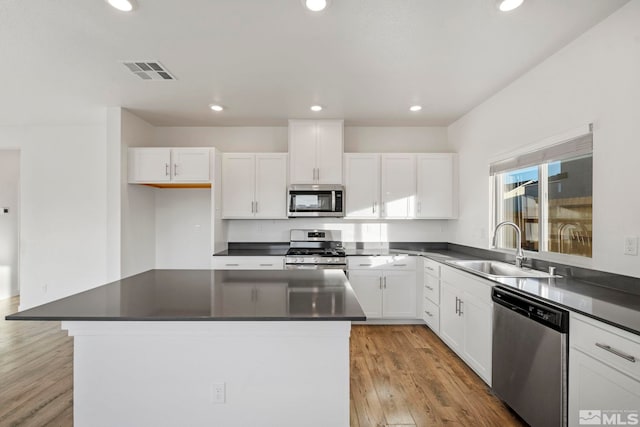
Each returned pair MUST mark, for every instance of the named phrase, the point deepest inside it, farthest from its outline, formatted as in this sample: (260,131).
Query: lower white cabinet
(385,286)
(604,373)
(466,319)
(431,292)
(243,299)
(248,263)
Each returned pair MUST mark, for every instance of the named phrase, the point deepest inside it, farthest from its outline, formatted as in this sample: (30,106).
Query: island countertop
(210,295)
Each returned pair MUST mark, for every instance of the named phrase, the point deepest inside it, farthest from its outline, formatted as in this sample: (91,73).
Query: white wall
(229,139)
(183,228)
(138,230)
(9,223)
(63,209)
(352,231)
(373,139)
(593,79)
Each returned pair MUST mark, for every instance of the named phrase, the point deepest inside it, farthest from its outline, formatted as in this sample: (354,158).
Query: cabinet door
(303,137)
(399,294)
(362,185)
(238,181)
(435,186)
(594,385)
(271,186)
(149,165)
(190,165)
(478,329)
(451,323)
(367,284)
(398,185)
(329,152)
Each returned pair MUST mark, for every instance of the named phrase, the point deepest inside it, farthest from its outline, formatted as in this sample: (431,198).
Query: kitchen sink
(495,269)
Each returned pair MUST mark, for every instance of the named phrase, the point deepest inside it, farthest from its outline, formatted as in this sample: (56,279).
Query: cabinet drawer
(479,288)
(606,343)
(432,288)
(431,267)
(397,262)
(431,315)
(248,263)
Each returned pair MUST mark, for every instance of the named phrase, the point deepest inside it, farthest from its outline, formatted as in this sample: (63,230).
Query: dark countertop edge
(188,319)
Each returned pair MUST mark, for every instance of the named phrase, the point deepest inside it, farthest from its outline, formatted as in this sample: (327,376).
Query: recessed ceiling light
(216,107)
(316,5)
(507,5)
(123,5)
(316,108)
(415,108)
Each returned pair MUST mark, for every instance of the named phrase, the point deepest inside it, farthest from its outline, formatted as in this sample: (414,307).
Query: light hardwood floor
(400,376)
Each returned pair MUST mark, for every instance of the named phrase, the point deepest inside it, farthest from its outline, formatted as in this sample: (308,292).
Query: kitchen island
(206,347)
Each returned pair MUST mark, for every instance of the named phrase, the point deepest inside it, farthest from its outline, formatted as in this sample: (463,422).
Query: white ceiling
(266,61)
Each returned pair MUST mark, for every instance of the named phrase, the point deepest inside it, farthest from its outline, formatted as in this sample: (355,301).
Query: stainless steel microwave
(315,200)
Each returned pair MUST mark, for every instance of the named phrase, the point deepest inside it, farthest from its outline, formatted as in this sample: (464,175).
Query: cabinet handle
(380,280)
(419,207)
(460,313)
(428,287)
(428,314)
(457,305)
(385,283)
(256,206)
(399,265)
(364,265)
(384,207)
(252,207)
(232,265)
(616,352)
(166,169)
(373,207)
(266,265)
(318,169)
(175,169)
(430,268)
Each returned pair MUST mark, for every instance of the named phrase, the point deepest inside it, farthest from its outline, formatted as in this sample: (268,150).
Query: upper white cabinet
(315,150)
(398,185)
(169,165)
(254,185)
(436,193)
(362,183)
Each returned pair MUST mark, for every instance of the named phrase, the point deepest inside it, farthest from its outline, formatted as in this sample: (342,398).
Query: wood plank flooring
(401,376)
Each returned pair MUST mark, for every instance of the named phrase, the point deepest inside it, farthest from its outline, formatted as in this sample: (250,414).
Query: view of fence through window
(551,203)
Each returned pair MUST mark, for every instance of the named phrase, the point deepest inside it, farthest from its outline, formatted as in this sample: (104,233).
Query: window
(548,194)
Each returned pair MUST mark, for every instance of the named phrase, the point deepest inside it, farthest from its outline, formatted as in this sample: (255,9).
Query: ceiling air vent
(148,70)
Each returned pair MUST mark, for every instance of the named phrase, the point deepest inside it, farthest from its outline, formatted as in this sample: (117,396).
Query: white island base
(166,373)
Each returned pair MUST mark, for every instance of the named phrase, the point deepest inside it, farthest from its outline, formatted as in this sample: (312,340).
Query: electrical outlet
(218,393)
(631,245)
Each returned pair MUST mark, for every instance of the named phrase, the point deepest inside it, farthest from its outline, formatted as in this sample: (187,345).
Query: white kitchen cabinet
(254,185)
(398,173)
(466,318)
(385,286)
(248,263)
(431,291)
(603,375)
(315,149)
(436,195)
(169,165)
(362,184)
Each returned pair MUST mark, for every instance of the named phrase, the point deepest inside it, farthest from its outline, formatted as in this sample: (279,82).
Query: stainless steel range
(315,250)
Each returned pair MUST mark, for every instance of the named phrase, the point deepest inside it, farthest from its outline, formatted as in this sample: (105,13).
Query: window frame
(496,215)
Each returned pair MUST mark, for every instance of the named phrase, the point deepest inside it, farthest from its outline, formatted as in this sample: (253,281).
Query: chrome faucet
(519,252)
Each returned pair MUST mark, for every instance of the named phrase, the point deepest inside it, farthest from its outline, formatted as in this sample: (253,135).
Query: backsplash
(352,231)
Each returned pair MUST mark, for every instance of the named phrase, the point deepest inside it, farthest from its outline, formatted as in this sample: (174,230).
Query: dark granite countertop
(210,295)
(613,306)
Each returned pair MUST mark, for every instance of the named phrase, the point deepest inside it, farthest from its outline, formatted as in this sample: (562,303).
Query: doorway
(9,223)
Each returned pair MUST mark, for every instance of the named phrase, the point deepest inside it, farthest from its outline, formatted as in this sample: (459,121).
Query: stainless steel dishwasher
(530,357)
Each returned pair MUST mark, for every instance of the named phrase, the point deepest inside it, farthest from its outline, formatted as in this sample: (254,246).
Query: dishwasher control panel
(538,311)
